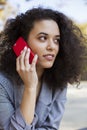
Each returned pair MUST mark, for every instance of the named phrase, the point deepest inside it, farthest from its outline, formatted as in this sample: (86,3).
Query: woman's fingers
(26,59)
(24,68)
(23,64)
(21,59)
(34,61)
(20,63)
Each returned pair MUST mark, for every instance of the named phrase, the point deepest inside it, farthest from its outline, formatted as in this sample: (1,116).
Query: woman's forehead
(46,26)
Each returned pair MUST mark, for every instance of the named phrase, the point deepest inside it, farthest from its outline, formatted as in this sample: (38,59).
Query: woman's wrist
(30,89)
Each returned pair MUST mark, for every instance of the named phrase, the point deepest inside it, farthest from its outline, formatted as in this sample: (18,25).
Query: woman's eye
(56,41)
(42,38)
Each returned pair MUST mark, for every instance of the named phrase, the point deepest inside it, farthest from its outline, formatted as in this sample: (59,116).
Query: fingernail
(21,51)
(25,48)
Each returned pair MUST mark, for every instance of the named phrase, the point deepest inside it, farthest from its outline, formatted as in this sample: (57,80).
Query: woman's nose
(51,45)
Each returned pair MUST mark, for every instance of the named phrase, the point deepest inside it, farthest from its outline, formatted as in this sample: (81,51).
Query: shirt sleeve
(12,119)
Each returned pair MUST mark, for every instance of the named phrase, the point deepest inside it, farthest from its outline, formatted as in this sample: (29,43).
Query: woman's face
(44,41)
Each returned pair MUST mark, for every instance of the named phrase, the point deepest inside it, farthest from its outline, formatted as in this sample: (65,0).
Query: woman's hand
(26,70)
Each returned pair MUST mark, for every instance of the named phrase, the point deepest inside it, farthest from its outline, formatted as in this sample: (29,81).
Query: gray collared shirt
(48,112)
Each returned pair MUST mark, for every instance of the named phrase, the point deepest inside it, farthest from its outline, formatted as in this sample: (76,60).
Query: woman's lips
(49,57)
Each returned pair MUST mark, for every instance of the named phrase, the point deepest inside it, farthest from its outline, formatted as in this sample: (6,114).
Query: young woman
(33,96)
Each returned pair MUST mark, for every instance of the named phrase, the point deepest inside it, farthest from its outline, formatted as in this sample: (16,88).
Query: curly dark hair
(68,64)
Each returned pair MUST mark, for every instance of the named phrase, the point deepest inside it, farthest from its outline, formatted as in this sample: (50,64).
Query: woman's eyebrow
(57,36)
(43,33)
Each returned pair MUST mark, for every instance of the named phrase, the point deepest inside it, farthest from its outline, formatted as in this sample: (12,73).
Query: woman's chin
(45,65)
(48,65)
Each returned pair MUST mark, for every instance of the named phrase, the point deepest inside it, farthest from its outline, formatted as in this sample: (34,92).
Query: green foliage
(83,28)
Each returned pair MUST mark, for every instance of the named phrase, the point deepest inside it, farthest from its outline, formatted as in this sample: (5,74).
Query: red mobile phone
(19,46)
